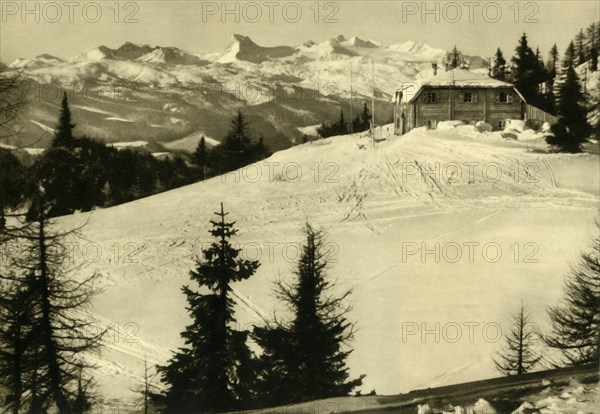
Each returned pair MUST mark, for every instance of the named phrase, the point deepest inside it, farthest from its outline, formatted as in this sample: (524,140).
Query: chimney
(434,67)
(398,98)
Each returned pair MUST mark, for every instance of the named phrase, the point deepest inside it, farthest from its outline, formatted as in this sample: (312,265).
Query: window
(503,97)
(431,124)
(500,125)
(469,97)
(430,97)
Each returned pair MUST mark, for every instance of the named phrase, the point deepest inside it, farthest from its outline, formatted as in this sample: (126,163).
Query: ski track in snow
(552,177)
(370,207)
(439,237)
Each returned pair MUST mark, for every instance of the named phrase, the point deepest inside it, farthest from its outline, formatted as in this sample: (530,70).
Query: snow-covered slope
(424,318)
(37,62)
(557,391)
(171,56)
(419,49)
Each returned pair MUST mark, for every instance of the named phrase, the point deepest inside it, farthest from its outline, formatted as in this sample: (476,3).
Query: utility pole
(146,386)
(351,102)
(451,97)
(372,102)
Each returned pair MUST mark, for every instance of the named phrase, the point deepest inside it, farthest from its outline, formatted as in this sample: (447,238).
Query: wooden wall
(451,107)
(532,112)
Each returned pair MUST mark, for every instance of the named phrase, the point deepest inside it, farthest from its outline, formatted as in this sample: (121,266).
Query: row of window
(468,96)
(432,124)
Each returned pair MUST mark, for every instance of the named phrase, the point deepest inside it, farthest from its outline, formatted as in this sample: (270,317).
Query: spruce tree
(305,359)
(576,319)
(237,146)
(525,74)
(259,150)
(572,129)
(551,70)
(341,127)
(517,357)
(552,64)
(543,78)
(210,373)
(324,130)
(365,118)
(199,157)
(63,136)
(570,54)
(454,59)
(499,68)
(60,172)
(357,125)
(594,35)
(580,49)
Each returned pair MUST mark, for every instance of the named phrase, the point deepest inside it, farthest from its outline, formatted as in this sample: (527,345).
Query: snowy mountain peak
(325,51)
(133,51)
(420,50)
(243,48)
(129,44)
(245,40)
(47,57)
(411,47)
(18,63)
(98,53)
(358,42)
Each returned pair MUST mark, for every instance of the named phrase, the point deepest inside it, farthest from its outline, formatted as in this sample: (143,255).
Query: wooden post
(452,97)
(485,104)
(351,103)
(372,102)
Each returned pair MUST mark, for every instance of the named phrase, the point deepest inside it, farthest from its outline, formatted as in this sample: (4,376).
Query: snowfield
(130,144)
(190,143)
(441,234)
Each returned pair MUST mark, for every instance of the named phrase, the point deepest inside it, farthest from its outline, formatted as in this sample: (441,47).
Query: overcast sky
(476,27)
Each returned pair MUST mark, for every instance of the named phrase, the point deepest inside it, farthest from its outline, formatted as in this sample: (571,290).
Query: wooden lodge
(460,94)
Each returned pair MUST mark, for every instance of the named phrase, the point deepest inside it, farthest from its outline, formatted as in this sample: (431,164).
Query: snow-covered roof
(458,78)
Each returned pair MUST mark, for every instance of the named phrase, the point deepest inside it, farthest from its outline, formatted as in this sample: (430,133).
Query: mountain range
(168,97)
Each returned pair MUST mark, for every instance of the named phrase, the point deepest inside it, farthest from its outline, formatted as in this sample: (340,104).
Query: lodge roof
(456,78)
